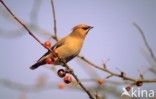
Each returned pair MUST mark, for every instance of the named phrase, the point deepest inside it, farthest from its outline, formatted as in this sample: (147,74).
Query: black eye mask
(85,28)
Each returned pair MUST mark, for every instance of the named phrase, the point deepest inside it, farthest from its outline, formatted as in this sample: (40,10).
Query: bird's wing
(58,44)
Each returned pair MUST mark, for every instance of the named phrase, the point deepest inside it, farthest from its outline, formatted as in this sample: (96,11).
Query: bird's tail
(36,65)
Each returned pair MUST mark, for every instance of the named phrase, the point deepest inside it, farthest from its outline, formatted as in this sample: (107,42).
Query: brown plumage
(66,48)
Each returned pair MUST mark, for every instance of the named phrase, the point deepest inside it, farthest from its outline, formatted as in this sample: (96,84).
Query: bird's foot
(69,70)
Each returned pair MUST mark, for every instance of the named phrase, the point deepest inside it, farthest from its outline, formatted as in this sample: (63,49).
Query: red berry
(128,88)
(47,44)
(61,73)
(139,83)
(61,85)
(49,61)
(67,79)
(100,81)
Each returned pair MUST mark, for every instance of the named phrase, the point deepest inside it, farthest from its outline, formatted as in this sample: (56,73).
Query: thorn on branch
(122,74)
(109,76)
(82,57)
(104,66)
(141,76)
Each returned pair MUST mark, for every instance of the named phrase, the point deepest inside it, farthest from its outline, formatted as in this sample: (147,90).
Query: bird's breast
(70,48)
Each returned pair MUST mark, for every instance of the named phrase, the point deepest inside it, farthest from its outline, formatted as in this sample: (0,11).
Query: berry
(100,81)
(47,44)
(128,88)
(139,83)
(61,85)
(67,79)
(49,61)
(61,73)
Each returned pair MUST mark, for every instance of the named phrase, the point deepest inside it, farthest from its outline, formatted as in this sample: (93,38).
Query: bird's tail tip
(36,65)
(33,67)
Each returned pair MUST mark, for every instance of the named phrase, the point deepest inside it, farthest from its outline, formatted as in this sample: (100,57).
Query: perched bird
(66,48)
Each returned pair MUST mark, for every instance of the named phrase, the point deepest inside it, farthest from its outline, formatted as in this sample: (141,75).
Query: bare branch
(34,12)
(145,41)
(54,20)
(124,77)
(53,86)
(79,82)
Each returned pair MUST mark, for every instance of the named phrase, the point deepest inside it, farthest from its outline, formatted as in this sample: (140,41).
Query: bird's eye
(85,28)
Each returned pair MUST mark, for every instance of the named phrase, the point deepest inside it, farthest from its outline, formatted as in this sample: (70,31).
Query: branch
(121,75)
(33,88)
(52,85)
(152,69)
(79,82)
(145,41)
(35,11)
(31,34)
(54,20)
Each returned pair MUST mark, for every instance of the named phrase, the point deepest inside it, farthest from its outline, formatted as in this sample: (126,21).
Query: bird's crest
(79,26)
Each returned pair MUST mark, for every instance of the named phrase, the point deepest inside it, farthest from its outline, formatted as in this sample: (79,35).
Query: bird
(66,48)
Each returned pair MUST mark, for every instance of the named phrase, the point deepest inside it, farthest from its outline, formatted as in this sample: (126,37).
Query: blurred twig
(54,20)
(47,86)
(35,11)
(145,41)
(152,55)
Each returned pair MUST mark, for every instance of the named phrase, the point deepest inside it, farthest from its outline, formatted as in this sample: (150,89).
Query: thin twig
(35,11)
(48,86)
(145,41)
(54,20)
(124,77)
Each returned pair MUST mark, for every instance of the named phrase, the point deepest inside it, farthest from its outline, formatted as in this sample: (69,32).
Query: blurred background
(114,40)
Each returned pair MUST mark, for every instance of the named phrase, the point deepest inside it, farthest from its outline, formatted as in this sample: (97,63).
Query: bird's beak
(90,27)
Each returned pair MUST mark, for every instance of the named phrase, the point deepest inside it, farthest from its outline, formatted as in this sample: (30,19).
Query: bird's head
(81,30)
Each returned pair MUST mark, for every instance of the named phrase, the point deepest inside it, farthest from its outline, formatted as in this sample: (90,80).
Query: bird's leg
(55,54)
(69,70)
(62,61)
